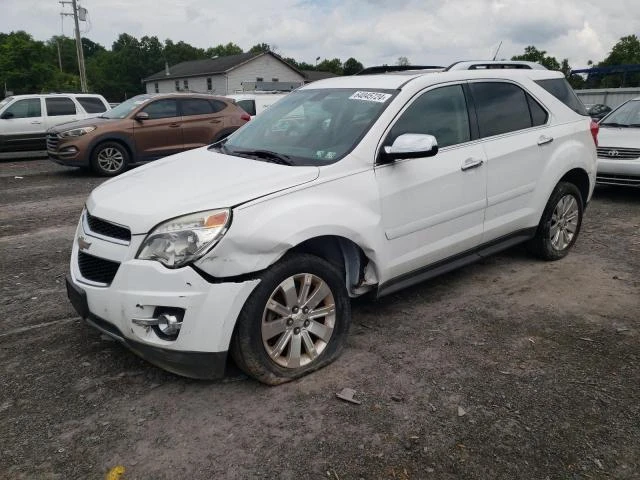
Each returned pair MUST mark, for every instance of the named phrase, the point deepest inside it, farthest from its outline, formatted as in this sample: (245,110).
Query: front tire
(295,321)
(560,223)
(109,159)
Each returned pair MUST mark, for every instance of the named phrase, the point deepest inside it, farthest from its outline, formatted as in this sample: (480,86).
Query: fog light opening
(169,324)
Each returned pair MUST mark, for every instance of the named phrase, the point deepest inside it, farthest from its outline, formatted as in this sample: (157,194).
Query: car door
(517,141)
(22,127)
(160,134)
(202,120)
(60,110)
(433,208)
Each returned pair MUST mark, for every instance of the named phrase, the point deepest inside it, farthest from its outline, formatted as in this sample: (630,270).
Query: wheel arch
(580,178)
(125,142)
(344,254)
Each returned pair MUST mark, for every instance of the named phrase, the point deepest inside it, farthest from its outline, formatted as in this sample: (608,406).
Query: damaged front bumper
(142,288)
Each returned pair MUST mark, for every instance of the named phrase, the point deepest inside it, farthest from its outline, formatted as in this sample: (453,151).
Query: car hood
(625,137)
(189,182)
(85,122)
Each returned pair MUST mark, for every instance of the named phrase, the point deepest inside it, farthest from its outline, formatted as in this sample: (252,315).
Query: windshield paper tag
(370,96)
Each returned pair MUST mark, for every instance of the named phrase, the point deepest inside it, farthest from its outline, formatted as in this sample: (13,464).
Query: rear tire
(560,223)
(109,159)
(295,321)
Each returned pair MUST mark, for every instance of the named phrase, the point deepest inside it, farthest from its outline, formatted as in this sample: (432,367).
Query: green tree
(532,54)
(352,66)
(175,53)
(626,51)
(260,48)
(223,50)
(333,66)
(26,65)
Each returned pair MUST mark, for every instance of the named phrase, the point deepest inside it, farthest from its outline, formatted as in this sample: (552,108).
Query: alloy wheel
(298,320)
(110,159)
(564,222)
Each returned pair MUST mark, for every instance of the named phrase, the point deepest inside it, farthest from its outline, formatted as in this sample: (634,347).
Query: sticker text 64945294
(370,96)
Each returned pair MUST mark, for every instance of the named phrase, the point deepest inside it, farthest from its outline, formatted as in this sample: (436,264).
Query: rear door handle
(470,163)
(174,125)
(543,140)
(36,123)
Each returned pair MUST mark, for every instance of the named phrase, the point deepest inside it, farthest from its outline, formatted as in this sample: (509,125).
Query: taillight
(595,128)
(245,116)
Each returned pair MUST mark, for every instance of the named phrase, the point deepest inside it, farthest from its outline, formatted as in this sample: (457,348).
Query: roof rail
(494,64)
(396,68)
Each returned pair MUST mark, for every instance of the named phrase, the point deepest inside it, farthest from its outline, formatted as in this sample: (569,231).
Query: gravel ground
(509,368)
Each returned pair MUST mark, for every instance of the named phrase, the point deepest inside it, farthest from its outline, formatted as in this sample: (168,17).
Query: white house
(226,75)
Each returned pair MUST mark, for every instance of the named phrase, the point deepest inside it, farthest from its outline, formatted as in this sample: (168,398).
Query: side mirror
(410,145)
(140,116)
(7,115)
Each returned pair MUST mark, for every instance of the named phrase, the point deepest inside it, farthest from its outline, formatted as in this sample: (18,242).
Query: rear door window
(195,106)
(27,108)
(92,104)
(501,108)
(162,109)
(59,106)
(560,88)
(441,112)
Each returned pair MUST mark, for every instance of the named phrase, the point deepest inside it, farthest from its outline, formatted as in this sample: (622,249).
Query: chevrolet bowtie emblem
(83,244)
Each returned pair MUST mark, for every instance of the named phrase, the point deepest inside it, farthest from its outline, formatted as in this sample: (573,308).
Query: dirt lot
(510,368)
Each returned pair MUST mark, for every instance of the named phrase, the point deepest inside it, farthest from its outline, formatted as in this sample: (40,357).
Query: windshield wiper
(267,155)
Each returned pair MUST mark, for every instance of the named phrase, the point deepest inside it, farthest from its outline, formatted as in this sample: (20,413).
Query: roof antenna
(497,50)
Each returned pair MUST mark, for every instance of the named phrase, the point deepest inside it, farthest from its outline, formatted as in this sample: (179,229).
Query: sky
(375,32)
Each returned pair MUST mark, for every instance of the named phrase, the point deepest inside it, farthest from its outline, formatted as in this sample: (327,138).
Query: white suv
(25,119)
(254,245)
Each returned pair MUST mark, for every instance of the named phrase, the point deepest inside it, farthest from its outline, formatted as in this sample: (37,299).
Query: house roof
(313,75)
(210,66)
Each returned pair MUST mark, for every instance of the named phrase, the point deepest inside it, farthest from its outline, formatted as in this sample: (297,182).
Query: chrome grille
(107,229)
(97,269)
(52,142)
(616,153)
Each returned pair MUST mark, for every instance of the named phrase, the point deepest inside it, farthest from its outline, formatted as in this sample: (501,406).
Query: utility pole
(79,52)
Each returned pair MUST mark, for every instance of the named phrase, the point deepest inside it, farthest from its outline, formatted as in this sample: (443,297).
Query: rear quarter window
(560,88)
(248,106)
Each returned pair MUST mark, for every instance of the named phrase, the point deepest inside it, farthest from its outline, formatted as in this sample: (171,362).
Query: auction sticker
(370,96)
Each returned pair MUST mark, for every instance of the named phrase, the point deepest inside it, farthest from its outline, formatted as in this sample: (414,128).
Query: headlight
(184,239)
(76,132)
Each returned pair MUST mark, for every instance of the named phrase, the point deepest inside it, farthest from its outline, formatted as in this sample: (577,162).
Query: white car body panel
(404,216)
(221,181)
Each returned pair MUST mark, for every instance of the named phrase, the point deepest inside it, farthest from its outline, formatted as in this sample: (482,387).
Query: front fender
(263,231)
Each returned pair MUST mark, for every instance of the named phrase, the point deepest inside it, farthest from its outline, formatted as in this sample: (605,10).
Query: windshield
(125,108)
(627,115)
(310,127)
(5,101)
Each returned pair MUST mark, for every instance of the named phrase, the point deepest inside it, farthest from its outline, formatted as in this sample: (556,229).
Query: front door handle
(543,140)
(174,125)
(470,163)
(36,123)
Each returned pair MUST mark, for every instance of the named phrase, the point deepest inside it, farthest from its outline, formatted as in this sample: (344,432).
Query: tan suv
(144,128)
